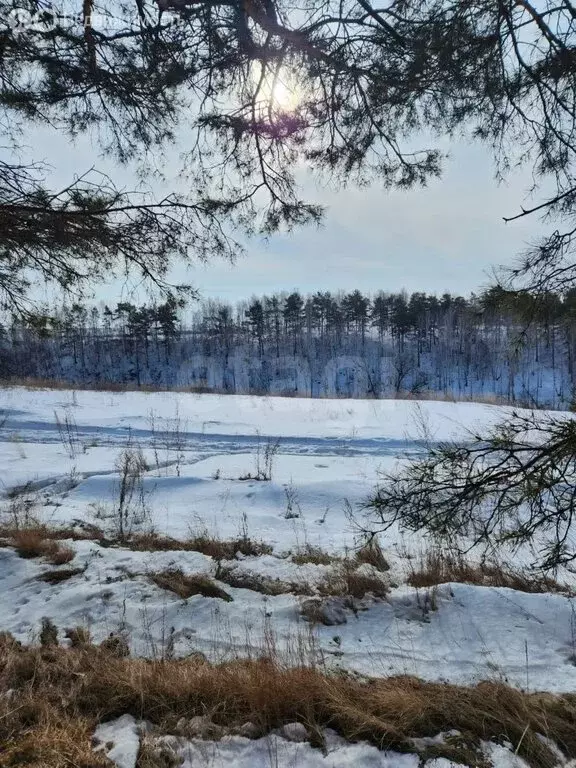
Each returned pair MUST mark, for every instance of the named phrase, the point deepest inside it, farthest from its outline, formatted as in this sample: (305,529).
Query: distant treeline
(502,345)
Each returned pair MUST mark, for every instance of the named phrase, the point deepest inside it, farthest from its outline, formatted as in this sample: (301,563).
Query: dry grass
(60,575)
(262,584)
(371,553)
(39,382)
(33,542)
(454,397)
(439,567)
(347,580)
(59,695)
(34,528)
(315,555)
(211,546)
(29,543)
(52,741)
(79,636)
(37,540)
(184,586)
(344,580)
(62,555)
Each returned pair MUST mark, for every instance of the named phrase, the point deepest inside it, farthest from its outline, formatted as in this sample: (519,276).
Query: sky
(448,236)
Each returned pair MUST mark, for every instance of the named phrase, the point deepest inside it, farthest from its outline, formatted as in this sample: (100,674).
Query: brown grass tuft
(440,567)
(315,555)
(371,553)
(115,645)
(258,583)
(79,636)
(38,540)
(59,575)
(61,555)
(208,545)
(347,580)
(185,586)
(55,741)
(30,543)
(34,541)
(89,532)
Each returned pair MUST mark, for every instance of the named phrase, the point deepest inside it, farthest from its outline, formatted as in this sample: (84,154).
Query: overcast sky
(445,237)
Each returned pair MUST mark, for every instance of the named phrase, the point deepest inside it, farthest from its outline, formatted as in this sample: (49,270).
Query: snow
(475,633)
(241,753)
(122,734)
(202,455)
(278,749)
(208,495)
(330,456)
(111,414)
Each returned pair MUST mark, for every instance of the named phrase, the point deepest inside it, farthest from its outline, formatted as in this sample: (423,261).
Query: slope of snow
(303,503)
(471,633)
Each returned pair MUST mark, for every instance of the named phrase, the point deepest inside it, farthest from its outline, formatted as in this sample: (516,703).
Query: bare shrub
(131,509)
(184,586)
(21,508)
(293,509)
(263,460)
(68,432)
(170,435)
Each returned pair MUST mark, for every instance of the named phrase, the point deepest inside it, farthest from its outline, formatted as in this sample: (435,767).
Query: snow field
(202,456)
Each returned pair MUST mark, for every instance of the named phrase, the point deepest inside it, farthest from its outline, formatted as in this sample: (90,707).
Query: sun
(276,91)
(283,96)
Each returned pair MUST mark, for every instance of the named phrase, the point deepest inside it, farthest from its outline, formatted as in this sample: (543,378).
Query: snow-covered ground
(200,451)
(107,416)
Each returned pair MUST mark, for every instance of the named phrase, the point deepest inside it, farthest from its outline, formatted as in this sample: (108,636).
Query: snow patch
(120,740)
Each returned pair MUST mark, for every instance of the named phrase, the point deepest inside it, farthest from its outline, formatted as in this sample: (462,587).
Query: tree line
(500,343)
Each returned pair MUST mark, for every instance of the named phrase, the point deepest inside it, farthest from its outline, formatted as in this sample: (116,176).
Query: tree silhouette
(364,82)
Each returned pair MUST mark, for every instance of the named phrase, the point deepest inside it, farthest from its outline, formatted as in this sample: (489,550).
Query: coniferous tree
(255,316)
(293,317)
